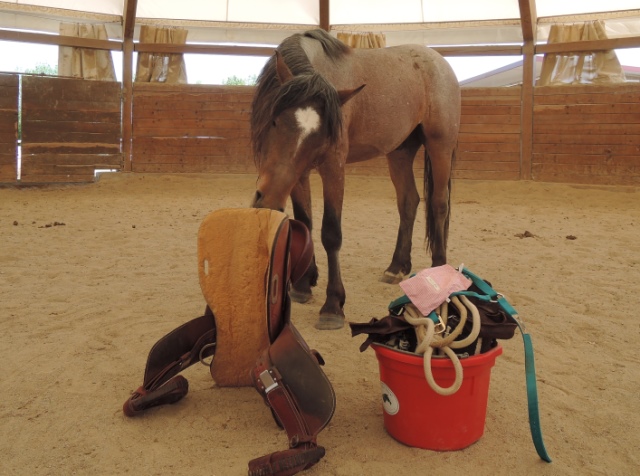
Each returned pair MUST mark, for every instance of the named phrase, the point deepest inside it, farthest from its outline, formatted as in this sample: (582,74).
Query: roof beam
(60,40)
(528,19)
(204,49)
(324,14)
(129,18)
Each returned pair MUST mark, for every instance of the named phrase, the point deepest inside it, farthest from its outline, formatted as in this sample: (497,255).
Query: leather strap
(176,351)
(302,420)
(286,463)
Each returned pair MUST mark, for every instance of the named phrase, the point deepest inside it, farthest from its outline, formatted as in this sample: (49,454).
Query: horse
(320,104)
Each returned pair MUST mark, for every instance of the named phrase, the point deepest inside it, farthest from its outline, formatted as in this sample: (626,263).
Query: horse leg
(401,171)
(331,313)
(301,201)
(438,192)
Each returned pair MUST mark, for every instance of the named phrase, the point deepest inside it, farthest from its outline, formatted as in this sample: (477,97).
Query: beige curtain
(161,67)
(86,63)
(595,67)
(363,40)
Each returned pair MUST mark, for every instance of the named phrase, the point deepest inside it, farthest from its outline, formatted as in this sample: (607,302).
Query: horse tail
(428,195)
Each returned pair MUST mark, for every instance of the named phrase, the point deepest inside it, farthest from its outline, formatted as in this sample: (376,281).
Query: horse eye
(273,123)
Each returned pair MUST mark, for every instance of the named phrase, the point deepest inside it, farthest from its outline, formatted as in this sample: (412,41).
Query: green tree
(236,81)
(43,68)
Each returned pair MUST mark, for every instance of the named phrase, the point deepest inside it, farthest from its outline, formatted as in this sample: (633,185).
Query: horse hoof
(329,322)
(392,278)
(300,296)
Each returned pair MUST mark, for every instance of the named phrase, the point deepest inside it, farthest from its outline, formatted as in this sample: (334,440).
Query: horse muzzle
(259,201)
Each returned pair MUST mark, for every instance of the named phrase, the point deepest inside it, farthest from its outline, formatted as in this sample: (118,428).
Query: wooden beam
(204,49)
(591,45)
(59,40)
(324,15)
(128,20)
(526,110)
(528,19)
(488,50)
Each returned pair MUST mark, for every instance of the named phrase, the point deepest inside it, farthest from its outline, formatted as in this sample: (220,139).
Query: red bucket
(417,416)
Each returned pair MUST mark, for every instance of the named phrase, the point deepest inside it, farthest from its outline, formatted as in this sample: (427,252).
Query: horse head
(303,122)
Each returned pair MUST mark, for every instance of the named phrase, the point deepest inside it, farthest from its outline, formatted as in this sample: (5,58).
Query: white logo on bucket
(390,402)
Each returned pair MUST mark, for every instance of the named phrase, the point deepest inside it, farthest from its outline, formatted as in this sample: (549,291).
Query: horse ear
(347,94)
(282,70)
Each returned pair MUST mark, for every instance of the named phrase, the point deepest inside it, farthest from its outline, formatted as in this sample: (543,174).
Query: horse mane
(271,98)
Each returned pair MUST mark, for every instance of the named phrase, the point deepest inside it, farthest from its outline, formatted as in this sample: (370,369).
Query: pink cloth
(432,286)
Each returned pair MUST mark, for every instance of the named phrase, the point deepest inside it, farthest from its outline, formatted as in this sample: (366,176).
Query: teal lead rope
(529,364)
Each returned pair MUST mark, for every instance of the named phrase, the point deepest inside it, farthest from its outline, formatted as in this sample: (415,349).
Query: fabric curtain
(162,67)
(363,40)
(86,63)
(587,67)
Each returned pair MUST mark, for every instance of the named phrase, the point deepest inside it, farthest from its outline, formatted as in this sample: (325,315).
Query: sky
(210,69)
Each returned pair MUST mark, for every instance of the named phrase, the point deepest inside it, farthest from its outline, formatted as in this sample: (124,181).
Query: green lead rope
(529,364)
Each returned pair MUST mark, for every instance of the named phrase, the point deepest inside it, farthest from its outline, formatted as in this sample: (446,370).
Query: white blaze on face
(308,122)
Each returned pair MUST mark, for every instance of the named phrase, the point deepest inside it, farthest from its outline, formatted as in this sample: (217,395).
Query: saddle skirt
(242,265)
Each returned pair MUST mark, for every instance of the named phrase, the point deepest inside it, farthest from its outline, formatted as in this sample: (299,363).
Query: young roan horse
(320,104)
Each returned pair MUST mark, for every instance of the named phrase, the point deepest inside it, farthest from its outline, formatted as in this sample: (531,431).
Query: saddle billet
(266,251)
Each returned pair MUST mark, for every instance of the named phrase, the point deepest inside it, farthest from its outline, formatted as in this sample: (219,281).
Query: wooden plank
(232,157)
(47,88)
(141,105)
(70,148)
(194,168)
(161,88)
(586,109)
(98,117)
(561,119)
(625,97)
(33,127)
(479,138)
(497,147)
(489,156)
(190,126)
(582,89)
(490,119)
(597,139)
(489,128)
(177,115)
(179,145)
(513,92)
(102,161)
(33,104)
(608,150)
(589,128)
(587,159)
(69,136)
(472,110)
(631,171)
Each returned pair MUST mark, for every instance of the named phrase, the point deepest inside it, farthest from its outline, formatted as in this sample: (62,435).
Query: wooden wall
(8,128)
(70,128)
(191,128)
(581,134)
(489,141)
(587,134)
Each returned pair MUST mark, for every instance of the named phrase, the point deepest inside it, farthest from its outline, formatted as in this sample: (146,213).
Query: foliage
(43,68)
(236,81)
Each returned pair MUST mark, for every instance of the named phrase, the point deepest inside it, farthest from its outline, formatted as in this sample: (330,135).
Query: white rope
(425,330)
(428,340)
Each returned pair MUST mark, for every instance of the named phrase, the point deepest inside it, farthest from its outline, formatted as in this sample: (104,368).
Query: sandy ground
(84,299)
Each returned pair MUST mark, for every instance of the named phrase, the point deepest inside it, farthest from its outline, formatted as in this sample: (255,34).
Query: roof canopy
(268,22)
